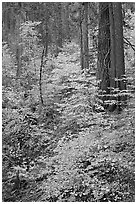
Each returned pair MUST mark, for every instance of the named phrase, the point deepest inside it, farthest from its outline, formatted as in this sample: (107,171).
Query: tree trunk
(110,65)
(103,64)
(59,34)
(117,50)
(85,37)
(81,46)
(40,78)
(113,48)
(120,64)
(18,60)
(46,43)
(65,21)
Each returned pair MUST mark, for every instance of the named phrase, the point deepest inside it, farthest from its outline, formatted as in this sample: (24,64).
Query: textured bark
(117,50)
(103,65)
(120,65)
(113,47)
(111,66)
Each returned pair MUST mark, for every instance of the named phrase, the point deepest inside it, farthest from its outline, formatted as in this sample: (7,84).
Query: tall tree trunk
(103,64)
(111,66)
(81,46)
(59,34)
(85,37)
(65,21)
(117,49)
(18,60)
(120,64)
(113,47)
(46,40)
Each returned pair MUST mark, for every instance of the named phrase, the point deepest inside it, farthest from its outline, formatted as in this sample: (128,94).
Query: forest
(68,102)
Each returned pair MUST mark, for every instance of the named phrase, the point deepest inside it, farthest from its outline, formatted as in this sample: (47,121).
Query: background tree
(79,15)
(59,35)
(85,36)
(13,17)
(66,21)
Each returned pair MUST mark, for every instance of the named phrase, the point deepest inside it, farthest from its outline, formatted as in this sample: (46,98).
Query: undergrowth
(66,151)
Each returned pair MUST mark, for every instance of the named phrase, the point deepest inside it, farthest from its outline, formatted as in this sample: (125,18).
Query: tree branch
(40,78)
(129,43)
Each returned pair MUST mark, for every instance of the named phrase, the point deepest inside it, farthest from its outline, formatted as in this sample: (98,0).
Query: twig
(129,43)
(40,78)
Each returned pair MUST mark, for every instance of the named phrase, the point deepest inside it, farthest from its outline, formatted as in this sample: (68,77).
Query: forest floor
(89,155)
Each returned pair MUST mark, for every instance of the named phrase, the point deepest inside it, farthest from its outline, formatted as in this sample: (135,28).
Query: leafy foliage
(68,150)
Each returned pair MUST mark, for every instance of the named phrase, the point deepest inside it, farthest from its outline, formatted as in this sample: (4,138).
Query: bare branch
(129,43)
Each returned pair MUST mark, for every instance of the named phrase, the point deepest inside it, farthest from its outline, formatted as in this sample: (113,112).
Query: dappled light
(68,112)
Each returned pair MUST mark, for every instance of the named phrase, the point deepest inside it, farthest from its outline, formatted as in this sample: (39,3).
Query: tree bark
(110,65)
(103,64)
(117,50)
(113,48)
(120,64)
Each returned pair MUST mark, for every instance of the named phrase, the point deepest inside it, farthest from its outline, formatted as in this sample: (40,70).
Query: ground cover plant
(60,141)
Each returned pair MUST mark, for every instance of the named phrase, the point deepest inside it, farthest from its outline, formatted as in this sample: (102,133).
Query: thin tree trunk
(45,51)
(45,30)
(68,34)
(18,58)
(59,35)
(85,37)
(46,38)
(40,78)
(81,47)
